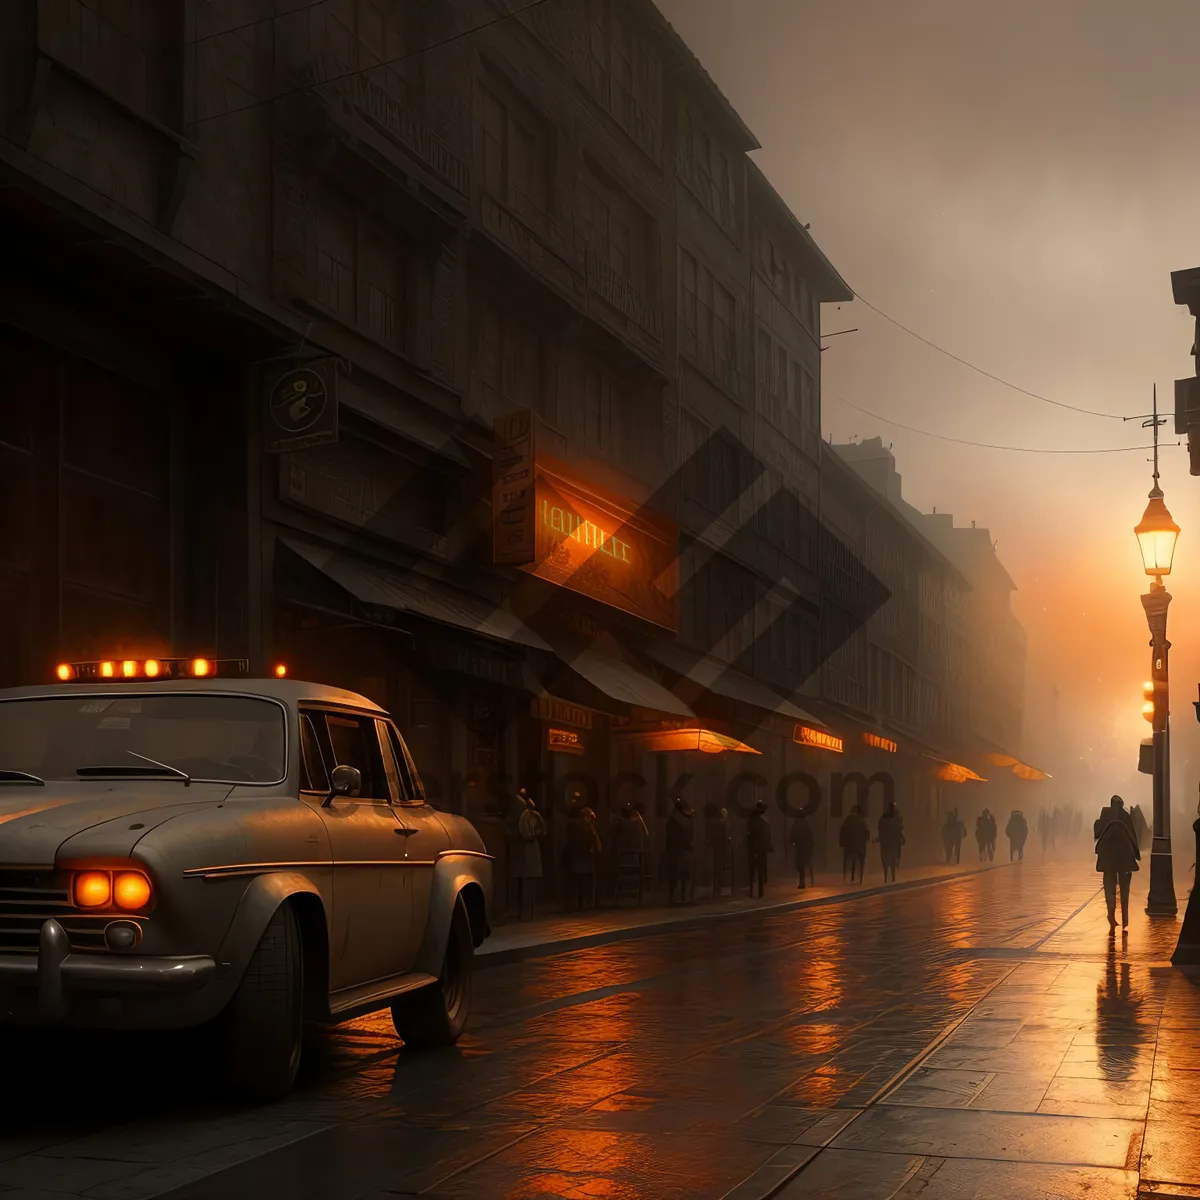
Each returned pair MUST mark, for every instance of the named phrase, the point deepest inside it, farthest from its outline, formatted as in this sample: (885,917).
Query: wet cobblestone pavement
(978,1038)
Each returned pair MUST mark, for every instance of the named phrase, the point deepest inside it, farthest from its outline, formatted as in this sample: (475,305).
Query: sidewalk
(1077,1074)
(519,940)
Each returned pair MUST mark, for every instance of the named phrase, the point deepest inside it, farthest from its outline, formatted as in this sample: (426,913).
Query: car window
(314,774)
(408,771)
(355,744)
(390,769)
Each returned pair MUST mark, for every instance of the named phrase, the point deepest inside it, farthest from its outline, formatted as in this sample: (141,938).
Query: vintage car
(181,846)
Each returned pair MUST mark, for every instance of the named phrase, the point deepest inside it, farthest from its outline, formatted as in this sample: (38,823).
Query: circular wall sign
(298,400)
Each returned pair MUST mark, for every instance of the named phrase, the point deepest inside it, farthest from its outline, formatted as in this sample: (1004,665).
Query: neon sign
(564,741)
(817,738)
(879,743)
(563,520)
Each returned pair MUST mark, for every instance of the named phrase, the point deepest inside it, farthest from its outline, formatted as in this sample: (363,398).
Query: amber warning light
(155,668)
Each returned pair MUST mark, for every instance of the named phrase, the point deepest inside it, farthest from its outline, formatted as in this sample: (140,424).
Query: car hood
(36,821)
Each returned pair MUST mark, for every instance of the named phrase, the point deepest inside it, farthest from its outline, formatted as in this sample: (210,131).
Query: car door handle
(403,831)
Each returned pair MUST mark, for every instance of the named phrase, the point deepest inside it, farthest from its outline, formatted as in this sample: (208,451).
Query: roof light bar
(134,669)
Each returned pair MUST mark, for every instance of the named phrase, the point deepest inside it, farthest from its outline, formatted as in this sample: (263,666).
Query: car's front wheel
(262,1029)
(437,1015)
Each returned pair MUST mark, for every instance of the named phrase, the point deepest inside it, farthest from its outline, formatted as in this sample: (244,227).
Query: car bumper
(57,975)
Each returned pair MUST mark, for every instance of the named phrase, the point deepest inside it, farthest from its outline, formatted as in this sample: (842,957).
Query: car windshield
(226,739)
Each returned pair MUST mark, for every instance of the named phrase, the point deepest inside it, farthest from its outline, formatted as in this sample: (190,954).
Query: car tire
(436,1015)
(262,1029)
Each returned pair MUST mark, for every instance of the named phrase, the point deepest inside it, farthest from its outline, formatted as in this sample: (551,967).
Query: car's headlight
(128,890)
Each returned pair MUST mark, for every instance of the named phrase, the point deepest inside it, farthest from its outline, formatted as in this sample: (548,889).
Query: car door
(422,833)
(370,926)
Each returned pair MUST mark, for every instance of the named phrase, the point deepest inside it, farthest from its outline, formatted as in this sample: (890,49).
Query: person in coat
(1117,857)
(527,828)
(758,846)
(993,832)
(981,835)
(720,845)
(681,841)
(1017,830)
(803,844)
(854,837)
(891,838)
(582,853)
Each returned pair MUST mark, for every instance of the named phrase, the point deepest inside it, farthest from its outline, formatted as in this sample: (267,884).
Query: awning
(706,741)
(619,681)
(397,415)
(950,772)
(1019,769)
(715,676)
(386,587)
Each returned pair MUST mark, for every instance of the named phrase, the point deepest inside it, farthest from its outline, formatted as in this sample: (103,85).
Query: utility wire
(942,437)
(516,12)
(979,370)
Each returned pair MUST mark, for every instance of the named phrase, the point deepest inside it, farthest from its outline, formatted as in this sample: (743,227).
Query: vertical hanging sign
(513,488)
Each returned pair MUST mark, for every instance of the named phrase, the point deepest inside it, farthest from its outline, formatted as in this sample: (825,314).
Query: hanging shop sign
(565,741)
(879,743)
(805,735)
(579,536)
(301,406)
(559,712)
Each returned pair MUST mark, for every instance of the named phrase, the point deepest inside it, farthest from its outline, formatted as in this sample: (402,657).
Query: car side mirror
(345,781)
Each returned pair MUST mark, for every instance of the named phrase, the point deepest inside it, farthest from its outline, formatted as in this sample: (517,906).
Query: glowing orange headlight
(65,672)
(93,889)
(152,668)
(129,668)
(108,670)
(131,890)
(201,666)
(280,671)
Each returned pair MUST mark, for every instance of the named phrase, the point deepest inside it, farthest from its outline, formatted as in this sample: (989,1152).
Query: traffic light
(1148,702)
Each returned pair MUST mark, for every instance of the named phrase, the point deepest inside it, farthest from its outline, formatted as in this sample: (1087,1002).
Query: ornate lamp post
(1157,534)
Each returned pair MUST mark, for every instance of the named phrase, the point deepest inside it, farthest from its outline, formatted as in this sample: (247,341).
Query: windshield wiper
(21,777)
(152,769)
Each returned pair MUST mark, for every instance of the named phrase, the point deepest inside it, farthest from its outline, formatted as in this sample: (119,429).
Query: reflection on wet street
(978,1037)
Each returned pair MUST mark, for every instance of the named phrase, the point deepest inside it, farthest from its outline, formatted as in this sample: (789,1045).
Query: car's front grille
(30,898)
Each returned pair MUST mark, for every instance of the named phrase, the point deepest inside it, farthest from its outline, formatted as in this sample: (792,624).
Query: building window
(516,152)
(709,319)
(617,229)
(708,170)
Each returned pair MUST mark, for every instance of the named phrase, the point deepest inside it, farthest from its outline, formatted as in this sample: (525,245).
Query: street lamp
(1157,534)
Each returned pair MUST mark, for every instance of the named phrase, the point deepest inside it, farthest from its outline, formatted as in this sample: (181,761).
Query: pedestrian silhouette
(758,846)
(1017,830)
(891,838)
(1117,856)
(720,844)
(526,829)
(681,842)
(854,837)
(803,843)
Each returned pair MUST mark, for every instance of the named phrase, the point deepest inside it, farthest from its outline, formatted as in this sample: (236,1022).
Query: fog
(1012,182)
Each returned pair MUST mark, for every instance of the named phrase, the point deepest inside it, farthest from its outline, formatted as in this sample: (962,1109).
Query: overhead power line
(980,371)
(391,62)
(942,437)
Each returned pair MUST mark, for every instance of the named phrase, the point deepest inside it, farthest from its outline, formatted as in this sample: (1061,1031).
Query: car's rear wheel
(437,1015)
(262,1029)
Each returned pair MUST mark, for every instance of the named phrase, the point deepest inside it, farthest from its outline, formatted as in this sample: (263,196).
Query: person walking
(720,845)
(950,834)
(758,845)
(993,832)
(1117,856)
(891,838)
(854,837)
(681,833)
(1017,830)
(981,835)
(803,844)
(528,827)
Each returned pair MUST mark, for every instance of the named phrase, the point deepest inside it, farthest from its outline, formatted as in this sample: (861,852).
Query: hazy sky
(1016,182)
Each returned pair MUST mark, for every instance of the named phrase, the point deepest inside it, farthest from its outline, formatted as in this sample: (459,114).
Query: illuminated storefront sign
(879,743)
(818,738)
(576,535)
(565,741)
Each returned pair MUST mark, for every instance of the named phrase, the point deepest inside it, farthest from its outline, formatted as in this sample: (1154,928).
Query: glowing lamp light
(129,668)
(280,671)
(152,668)
(131,890)
(93,889)
(201,667)
(107,670)
(65,672)
(1157,534)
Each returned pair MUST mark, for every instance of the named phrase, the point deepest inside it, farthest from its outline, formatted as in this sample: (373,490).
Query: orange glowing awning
(707,741)
(1019,769)
(949,772)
